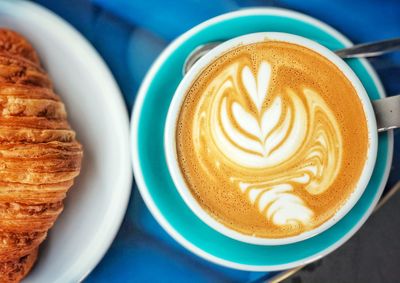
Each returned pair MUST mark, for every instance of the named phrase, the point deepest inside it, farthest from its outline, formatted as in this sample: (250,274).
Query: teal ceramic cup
(154,180)
(195,72)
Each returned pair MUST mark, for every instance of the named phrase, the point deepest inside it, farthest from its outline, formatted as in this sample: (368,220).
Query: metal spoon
(360,50)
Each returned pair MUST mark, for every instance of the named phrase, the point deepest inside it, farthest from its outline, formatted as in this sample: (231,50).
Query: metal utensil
(387,113)
(360,50)
(370,49)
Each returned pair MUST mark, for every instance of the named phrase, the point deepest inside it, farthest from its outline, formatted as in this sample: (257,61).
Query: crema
(271,139)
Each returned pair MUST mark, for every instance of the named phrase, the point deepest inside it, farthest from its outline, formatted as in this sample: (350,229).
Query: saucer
(148,156)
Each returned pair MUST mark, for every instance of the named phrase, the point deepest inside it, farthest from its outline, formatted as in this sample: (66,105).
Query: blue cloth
(129,34)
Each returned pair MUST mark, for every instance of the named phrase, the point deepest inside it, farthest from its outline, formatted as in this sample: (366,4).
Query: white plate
(97,202)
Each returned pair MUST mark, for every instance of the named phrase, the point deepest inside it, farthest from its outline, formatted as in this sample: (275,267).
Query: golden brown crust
(27,92)
(39,156)
(14,270)
(21,72)
(24,135)
(33,193)
(17,245)
(15,44)
(28,107)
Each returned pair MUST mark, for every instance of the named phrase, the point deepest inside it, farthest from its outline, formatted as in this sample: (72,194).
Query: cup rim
(174,110)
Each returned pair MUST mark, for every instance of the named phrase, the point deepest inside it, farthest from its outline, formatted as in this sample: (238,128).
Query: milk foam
(263,135)
(278,204)
(266,139)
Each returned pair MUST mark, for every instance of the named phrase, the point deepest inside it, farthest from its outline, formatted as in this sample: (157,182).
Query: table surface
(372,255)
(129,40)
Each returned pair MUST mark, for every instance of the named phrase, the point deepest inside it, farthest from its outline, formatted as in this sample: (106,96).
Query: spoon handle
(370,49)
(387,112)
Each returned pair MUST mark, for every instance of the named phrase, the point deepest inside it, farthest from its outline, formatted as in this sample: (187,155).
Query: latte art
(292,129)
(264,150)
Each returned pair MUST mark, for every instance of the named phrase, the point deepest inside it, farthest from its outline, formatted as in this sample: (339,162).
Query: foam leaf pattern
(291,135)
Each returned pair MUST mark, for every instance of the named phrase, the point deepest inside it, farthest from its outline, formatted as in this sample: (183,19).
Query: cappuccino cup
(270,138)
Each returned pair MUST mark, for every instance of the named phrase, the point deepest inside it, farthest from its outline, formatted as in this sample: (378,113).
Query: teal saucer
(150,168)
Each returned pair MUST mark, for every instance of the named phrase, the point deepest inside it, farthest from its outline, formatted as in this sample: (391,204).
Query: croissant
(39,156)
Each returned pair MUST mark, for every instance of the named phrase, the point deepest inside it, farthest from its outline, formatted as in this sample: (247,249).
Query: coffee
(271,139)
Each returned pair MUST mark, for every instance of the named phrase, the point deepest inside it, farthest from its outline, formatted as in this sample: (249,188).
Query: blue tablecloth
(129,35)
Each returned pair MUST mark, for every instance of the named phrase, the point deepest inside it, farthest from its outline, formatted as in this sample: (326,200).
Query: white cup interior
(174,110)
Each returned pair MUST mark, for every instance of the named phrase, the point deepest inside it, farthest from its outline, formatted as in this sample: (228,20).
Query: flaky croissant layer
(39,156)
